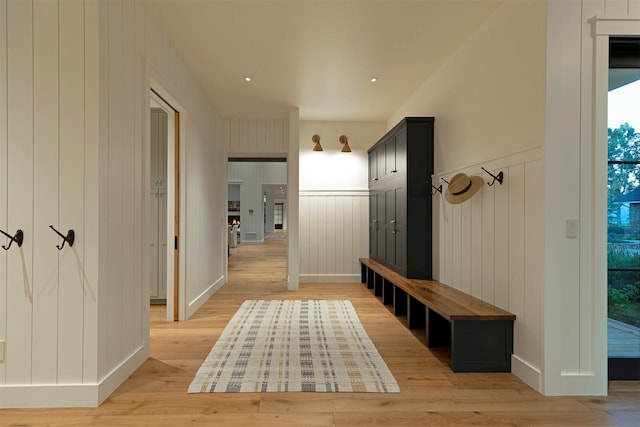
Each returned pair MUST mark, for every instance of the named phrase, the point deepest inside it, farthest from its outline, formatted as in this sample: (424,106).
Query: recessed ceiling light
(247,79)
(373,79)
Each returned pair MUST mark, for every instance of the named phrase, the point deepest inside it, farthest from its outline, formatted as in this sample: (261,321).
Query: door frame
(603,30)
(176,293)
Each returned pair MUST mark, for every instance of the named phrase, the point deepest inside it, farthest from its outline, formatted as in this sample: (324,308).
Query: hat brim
(476,184)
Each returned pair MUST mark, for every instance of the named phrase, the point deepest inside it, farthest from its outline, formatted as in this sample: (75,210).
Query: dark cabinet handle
(393,223)
(394,171)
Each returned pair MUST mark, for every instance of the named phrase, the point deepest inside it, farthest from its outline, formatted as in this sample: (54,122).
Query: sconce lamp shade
(316,141)
(343,140)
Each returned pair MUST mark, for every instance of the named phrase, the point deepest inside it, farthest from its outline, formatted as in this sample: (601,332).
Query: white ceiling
(318,56)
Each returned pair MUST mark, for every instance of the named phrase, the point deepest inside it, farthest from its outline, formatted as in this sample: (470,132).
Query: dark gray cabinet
(400,169)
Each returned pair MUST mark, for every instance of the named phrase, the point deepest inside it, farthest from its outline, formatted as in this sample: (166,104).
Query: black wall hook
(444,180)
(435,190)
(498,177)
(69,238)
(18,238)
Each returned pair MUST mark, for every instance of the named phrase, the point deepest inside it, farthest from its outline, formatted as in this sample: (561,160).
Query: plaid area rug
(280,346)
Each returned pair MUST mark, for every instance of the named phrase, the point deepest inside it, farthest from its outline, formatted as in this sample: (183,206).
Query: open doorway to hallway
(257,200)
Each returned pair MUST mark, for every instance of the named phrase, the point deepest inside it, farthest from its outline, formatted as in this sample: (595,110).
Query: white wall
(334,200)
(488,99)
(75,155)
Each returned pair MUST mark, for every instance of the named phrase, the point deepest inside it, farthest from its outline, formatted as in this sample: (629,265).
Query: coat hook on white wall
(17,238)
(498,177)
(69,238)
(435,190)
(445,180)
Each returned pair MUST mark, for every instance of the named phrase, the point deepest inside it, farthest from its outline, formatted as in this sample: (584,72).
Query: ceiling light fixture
(373,79)
(316,141)
(343,140)
(247,79)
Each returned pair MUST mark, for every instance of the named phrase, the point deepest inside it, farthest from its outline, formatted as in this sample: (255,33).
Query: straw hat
(462,187)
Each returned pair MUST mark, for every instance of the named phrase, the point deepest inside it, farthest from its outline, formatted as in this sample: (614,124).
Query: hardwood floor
(431,394)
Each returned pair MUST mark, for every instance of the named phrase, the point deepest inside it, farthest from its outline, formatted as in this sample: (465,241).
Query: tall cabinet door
(390,226)
(373,225)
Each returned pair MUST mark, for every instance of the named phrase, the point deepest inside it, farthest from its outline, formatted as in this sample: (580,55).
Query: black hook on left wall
(18,238)
(69,238)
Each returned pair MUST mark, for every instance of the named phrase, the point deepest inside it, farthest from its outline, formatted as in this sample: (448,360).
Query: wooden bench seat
(480,335)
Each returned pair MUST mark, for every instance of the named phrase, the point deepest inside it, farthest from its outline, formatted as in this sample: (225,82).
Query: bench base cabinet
(480,335)
(481,345)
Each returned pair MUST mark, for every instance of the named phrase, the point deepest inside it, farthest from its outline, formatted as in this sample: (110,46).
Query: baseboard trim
(194,305)
(527,373)
(330,278)
(71,395)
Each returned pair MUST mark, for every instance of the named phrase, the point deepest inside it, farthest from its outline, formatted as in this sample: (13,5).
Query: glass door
(623,245)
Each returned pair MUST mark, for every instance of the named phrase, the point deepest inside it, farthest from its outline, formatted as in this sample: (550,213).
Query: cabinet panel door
(380,228)
(380,163)
(390,157)
(401,228)
(373,167)
(401,151)
(390,226)
(373,225)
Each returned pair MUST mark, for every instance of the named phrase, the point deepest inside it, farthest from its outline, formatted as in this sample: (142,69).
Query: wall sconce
(316,141)
(343,140)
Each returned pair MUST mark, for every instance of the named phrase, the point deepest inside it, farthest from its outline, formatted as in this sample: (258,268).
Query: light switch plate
(573,228)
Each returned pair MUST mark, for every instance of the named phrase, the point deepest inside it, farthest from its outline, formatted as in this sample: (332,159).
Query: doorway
(255,187)
(164,206)
(623,209)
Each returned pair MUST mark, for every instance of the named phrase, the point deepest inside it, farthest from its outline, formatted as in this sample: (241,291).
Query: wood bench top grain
(448,302)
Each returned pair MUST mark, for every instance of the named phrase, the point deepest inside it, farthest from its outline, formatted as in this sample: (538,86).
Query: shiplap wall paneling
(617,7)
(115,182)
(258,136)
(516,244)
(130,290)
(501,241)
(533,272)
(141,117)
(18,348)
(487,246)
(465,247)
(342,258)
(45,198)
(3,177)
(71,189)
(475,247)
(91,195)
(333,234)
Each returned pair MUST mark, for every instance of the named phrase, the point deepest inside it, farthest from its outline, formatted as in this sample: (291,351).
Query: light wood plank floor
(431,394)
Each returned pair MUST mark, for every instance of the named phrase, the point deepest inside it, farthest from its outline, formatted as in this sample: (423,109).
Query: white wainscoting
(491,245)
(333,235)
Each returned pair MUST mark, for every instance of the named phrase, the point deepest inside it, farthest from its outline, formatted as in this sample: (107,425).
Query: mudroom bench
(480,335)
